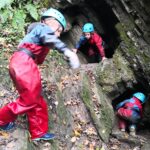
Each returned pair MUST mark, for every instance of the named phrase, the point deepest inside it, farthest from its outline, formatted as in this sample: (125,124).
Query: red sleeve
(98,41)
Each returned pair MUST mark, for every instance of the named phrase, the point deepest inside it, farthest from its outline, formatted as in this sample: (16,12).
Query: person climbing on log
(129,112)
(91,44)
(25,74)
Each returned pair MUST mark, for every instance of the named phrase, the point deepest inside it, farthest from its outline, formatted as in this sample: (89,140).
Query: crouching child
(129,112)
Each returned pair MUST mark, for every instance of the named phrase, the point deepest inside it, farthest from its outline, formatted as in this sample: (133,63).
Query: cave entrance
(102,16)
(108,21)
(128,93)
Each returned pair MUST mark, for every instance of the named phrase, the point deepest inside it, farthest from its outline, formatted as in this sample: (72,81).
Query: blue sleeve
(122,103)
(80,42)
(42,34)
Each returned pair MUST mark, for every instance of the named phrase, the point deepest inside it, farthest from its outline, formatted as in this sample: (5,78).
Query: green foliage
(8,10)
(15,15)
(5,15)
(4,3)
(18,21)
(32,11)
(85,94)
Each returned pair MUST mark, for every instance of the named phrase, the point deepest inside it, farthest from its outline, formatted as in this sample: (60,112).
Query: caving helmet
(57,15)
(88,27)
(140,96)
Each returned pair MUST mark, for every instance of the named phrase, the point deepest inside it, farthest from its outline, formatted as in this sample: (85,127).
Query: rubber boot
(132,130)
(45,137)
(8,126)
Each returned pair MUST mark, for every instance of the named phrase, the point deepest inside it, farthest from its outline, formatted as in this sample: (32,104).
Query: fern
(32,11)
(15,15)
(4,3)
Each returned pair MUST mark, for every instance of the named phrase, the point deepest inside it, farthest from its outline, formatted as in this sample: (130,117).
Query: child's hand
(74,50)
(73,58)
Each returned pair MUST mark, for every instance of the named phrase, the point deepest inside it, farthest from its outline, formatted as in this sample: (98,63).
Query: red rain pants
(127,115)
(25,75)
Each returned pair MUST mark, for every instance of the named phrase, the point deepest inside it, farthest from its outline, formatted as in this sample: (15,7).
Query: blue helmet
(57,15)
(88,27)
(140,96)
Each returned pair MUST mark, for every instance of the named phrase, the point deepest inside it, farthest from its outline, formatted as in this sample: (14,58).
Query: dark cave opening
(108,20)
(128,93)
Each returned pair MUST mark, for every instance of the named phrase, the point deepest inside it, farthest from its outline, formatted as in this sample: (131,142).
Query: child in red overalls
(91,44)
(26,76)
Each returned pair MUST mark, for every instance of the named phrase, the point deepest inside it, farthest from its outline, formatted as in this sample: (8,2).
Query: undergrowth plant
(15,15)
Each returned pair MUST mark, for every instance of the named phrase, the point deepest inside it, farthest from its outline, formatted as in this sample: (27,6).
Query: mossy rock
(104,116)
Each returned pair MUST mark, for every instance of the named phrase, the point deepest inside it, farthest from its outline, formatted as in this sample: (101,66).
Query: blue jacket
(39,39)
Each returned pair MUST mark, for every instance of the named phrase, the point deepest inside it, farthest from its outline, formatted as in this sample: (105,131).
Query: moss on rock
(102,115)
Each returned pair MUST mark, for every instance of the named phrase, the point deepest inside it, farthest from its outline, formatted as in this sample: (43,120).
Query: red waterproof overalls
(25,74)
(92,47)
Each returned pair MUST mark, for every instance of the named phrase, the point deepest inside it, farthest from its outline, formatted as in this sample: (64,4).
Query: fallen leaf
(91,147)
(2,93)
(4,134)
(11,145)
(56,103)
(90,131)
(67,103)
(47,144)
(77,133)
(73,139)
(115,147)
(64,122)
(86,142)
(94,97)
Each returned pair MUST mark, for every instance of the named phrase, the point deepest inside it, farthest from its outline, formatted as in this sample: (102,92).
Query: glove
(73,58)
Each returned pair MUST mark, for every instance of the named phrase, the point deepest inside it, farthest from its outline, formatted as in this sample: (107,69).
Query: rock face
(119,22)
(75,99)
(14,140)
(133,16)
(131,20)
(125,27)
(79,101)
